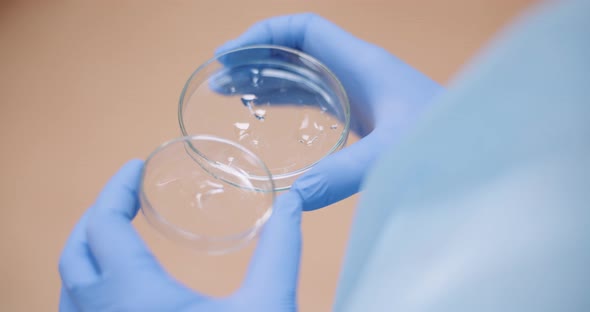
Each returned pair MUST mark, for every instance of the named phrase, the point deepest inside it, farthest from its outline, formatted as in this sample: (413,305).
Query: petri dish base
(283,105)
(206,192)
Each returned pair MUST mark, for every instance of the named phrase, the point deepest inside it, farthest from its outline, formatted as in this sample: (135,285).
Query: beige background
(87,85)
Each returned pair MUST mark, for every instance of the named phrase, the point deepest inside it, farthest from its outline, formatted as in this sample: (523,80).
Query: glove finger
(65,302)
(112,239)
(309,33)
(339,175)
(275,265)
(77,266)
(360,76)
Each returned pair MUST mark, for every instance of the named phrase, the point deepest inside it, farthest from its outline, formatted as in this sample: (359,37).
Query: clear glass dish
(283,105)
(206,192)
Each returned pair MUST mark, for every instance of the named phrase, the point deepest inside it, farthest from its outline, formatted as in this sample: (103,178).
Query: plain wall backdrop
(87,85)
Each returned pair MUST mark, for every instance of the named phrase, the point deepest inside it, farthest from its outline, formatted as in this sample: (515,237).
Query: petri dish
(206,192)
(283,105)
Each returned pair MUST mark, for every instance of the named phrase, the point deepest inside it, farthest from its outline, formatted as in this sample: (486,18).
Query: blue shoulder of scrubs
(485,206)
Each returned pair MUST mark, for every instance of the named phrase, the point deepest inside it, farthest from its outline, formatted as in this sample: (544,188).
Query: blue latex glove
(386,96)
(105,265)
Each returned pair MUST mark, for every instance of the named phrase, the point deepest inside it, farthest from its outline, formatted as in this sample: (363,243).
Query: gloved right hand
(386,97)
(106,266)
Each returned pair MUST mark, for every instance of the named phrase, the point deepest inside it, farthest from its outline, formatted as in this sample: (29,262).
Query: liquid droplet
(248,99)
(307,139)
(242,125)
(318,127)
(334,127)
(255,77)
(242,128)
(260,114)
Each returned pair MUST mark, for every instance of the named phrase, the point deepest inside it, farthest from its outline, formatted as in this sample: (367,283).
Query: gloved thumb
(275,265)
(339,175)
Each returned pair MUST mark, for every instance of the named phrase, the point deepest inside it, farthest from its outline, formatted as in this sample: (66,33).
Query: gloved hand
(386,96)
(105,265)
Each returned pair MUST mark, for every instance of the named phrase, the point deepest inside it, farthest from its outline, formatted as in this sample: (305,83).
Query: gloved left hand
(106,266)
(387,97)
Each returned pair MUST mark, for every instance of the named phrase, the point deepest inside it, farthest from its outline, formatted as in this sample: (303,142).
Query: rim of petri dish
(177,233)
(343,134)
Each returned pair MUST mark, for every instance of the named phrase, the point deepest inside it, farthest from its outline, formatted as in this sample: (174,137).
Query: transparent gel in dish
(283,105)
(206,192)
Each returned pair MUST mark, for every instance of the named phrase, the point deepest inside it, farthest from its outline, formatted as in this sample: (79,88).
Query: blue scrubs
(486,205)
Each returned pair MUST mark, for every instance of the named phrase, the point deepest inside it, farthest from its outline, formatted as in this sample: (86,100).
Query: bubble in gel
(255,77)
(334,127)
